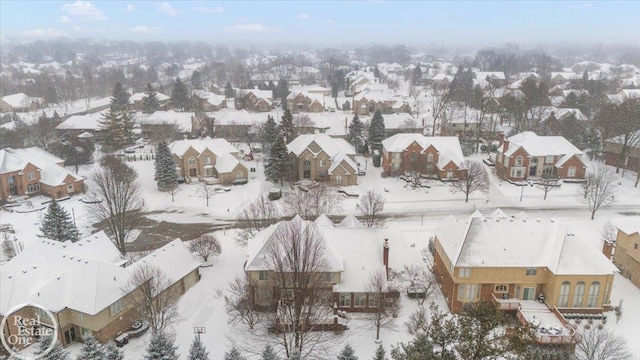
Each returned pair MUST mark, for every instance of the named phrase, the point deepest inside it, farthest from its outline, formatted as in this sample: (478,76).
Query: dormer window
(519,161)
(31,176)
(430,157)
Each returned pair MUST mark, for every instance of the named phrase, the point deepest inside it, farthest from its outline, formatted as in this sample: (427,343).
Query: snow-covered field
(413,212)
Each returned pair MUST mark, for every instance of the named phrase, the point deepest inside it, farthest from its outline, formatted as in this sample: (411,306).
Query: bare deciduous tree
(8,248)
(240,305)
(206,192)
(609,231)
(320,198)
(165,131)
(258,215)
(440,99)
(153,298)
(382,316)
(419,279)
(371,205)
(206,245)
(599,188)
(476,179)
(601,344)
(119,212)
(547,184)
(302,121)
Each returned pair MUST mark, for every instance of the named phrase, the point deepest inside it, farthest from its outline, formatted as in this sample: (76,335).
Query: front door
(70,335)
(306,169)
(192,172)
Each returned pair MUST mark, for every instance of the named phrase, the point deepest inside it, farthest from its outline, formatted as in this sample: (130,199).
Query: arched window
(578,294)
(563,299)
(413,156)
(519,161)
(592,299)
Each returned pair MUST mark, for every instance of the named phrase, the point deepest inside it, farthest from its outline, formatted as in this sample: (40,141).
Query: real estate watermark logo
(26,324)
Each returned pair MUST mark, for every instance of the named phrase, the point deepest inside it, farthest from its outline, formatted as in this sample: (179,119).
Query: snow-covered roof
(331,146)
(54,175)
(139,96)
(324,221)
(225,163)
(211,98)
(536,145)
(566,75)
(351,221)
(260,94)
(217,146)
(82,122)
(447,146)
(181,119)
(20,100)
(629,226)
(338,160)
(51,173)
(491,75)
(174,259)
(495,242)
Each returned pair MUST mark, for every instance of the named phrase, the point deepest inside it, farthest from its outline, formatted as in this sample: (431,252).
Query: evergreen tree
(197,350)
(112,352)
(228,91)
(377,131)
(57,352)
(196,80)
(126,121)
(286,126)
(180,95)
(376,72)
(119,97)
(234,354)
(380,353)
(57,224)
(150,103)
(269,133)
(283,91)
(278,165)
(356,133)
(416,75)
(347,353)
(113,134)
(161,347)
(91,350)
(269,354)
(165,167)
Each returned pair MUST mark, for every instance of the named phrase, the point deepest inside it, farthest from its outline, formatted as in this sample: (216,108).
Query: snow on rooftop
(20,100)
(174,259)
(225,163)
(139,96)
(324,221)
(448,146)
(629,226)
(350,221)
(331,146)
(82,122)
(536,145)
(217,146)
(181,119)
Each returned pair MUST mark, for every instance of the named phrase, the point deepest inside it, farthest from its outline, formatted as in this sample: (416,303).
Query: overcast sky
(327,22)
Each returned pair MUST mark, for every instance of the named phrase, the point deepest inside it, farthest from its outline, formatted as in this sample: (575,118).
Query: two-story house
(257,100)
(207,158)
(613,148)
(439,156)
(319,157)
(305,101)
(209,101)
(373,97)
(527,155)
(20,103)
(33,171)
(627,254)
(137,100)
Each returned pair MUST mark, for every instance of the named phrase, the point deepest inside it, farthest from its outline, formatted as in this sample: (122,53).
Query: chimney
(500,139)
(607,248)
(385,255)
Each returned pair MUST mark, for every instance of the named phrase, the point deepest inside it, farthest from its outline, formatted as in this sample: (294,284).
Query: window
(322,163)
(115,308)
(208,171)
(430,157)
(464,272)
(528,293)
(192,161)
(635,246)
(239,175)
(395,166)
(578,294)
(374,301)
(534,161)
(263,275)
(571,172)
(42,315)
(80,316)
(532,271)
(329,277)
(338,179)
(359,300)
(70,188)
(345,300)
(322,173)
(607,293)
(31,176)
(519,161)
(517,172)
(467,292)
(85,333)
(413,157)
(31,188)
(592,298)
(548,159)
(501,288)
(563,299)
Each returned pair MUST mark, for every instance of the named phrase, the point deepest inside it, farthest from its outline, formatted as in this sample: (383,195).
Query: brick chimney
(607,249)
(500,139)
(385,255)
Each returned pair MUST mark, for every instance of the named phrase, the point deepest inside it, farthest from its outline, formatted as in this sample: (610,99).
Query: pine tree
(112,352)
(356,133)
(161,347)
(278,166)
(347,353)
(286,126)
(150,103)
(113,135)
(228,91)
(269,354)
(117,124)
(416,76)
(91,350)
(376,72)
(180,95)
(57,352)
(126,121)
(269,133)
(57,224)
(196,80)
(166,176)
(283,91)
(197,350)
(119,97)
(380,353)
(234,354)
(377,131)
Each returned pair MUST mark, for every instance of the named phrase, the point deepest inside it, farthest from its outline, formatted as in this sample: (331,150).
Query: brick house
(627,254)
(305,101)
(33,171)
(527,155)
(185,123)
(378,97)
(257,100)
(613,147)
(440,156)
(208,158)
(137,100)
(319,157)
(209,101)
(82,284)
(20,103)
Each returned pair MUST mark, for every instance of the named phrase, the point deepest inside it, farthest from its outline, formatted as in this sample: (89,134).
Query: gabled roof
(82,122)
(139,96)
(181,119)
(331,146)
(536,145)
(51,173)
(225,163)
(19,100)
(324,221)
(337,161)
(448,147)
(217,146)
(174,259)
(351,221)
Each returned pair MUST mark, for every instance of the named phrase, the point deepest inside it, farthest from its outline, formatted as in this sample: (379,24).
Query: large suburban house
(78,124)
(627,254)
(33,171)
(83,285)
(208,158)
(527,155)
(257,100)
(521,263)
(20,103)
(373,97)
(351,253)
(137,100)
(209,101)
(305,101)
(614,146)
(319,157)
(184,123)
(440,156)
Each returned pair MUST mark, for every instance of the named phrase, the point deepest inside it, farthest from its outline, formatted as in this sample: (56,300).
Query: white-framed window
(70,188)
(397,156)
(430,157)
(31,176)
(549,159)
(467,292)
(359,300)
(607,293)
(192,161)
(239,175)
(80,316)
(532,271)
(322,163)
(85,333)
(263,275)
(32,188)
(329,277)
(395,166)
(208,171)
(578,294)
(464,272)
(517,172)
(592,298)
(322,173)
(571,172)
(338,179)
(374,300)
(500,288)
(345,300)
(413,156)
(207,160)
(563,299)
(116,307)
(519,161)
